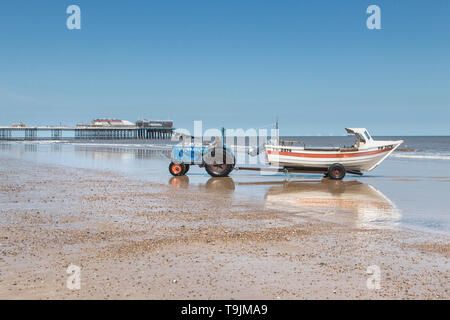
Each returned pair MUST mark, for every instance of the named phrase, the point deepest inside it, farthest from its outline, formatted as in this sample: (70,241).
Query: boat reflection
(347,201)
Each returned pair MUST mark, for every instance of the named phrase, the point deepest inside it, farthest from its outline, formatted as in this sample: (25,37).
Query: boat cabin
(362,136)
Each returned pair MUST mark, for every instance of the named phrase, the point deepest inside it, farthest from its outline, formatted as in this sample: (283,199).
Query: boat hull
(298,157)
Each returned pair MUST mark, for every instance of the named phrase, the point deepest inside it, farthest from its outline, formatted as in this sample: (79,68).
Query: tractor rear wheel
(219,162)
(218,170)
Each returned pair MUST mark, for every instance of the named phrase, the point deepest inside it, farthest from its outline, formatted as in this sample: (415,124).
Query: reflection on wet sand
(121,153)
(30,148)
(220,185)
(348,201)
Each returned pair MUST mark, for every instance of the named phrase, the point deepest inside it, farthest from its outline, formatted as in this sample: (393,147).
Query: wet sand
(137,239)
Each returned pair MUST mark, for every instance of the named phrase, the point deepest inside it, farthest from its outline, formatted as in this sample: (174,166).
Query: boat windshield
(361,138)
(366,133)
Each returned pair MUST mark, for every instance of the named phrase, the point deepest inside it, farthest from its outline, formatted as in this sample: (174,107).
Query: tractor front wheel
(177,169)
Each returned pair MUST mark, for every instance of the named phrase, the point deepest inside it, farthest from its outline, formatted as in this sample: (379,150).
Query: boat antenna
(276,139)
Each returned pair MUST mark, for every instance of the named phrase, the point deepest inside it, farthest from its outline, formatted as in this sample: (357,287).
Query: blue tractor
(216,158)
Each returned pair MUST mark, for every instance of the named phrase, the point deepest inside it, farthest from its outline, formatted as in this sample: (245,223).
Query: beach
(201,238)
(225,150)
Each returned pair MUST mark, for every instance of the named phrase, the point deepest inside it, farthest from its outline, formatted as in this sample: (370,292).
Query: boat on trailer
(365,155)
(334,162)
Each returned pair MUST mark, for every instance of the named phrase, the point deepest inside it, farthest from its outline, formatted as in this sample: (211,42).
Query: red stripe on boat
(335,155)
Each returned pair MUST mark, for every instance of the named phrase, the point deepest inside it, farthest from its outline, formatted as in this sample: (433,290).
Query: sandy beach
(137,239)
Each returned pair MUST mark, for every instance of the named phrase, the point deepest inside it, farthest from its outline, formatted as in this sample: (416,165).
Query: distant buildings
(116,123)
(111,123)
(18,125)
(107,123)
(154,123)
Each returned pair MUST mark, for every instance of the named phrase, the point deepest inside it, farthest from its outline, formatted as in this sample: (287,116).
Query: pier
(12,133)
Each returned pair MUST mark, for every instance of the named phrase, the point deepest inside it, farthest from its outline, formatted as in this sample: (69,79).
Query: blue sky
(233,63)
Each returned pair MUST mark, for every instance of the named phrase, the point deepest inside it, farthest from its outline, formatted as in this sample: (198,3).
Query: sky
(314,65)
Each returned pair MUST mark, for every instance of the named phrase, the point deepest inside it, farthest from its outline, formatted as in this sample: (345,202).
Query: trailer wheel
(186,169)
(177,169)
(219,162)
(336,171)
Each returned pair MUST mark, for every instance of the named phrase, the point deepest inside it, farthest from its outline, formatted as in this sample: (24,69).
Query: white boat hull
(360,159)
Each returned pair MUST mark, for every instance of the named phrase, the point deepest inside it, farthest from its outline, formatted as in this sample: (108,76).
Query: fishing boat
(365,155)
